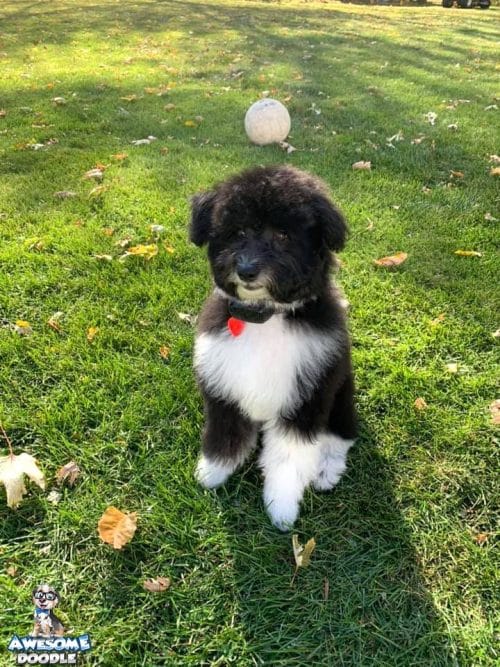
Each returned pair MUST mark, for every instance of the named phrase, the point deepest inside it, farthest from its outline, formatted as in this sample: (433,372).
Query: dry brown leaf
(3,113)
(157,585)
(95,173)
(98,191)
(362,165)
(302,552)
(12,471)
(437,320)
(129,98)
(467,253)
(456,174)
(108,231)
(481,538)
(164,352)
(420,403)
(65,194)
(495,159)
(119,157)
(495,411)
(391,260)
(116,527)
(53,322)
(68,473)
(12,570)
(92,333)
(186,317)
(495,171)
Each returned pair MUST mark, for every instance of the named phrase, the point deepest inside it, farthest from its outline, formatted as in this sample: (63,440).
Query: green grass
(409,584)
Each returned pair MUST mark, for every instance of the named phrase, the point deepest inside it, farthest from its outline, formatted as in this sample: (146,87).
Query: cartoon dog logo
(45,598)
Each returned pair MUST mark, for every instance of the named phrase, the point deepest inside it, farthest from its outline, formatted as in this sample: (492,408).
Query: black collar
(257,313)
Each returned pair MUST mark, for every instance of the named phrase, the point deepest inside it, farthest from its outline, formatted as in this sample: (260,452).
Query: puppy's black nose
(247,269)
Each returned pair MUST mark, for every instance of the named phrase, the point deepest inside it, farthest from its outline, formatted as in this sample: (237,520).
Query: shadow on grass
(362,601)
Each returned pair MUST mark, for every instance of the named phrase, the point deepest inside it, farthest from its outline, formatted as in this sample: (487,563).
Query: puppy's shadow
(362,600)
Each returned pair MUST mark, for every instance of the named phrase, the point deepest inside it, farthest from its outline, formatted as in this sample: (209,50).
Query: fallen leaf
(185,317)
(164,352)
(98,191)
(157,229)
(437,320)
(3,113)
(53,321)
(452,367)
(169,106)
(119,157)
(426,190)
(144,142)
(495,411)
(431,117)
(495,171)
(495,159)
(97,174)
(65,194)
(326,589)
(92,333)
(302,553)
(54,497)
(453,126)
(491,107)
(116,527)
(23,328)
(158,585)
(147,251)
(420,403)
(391,260)
(59,101)
(287,147)
(129,98)
(108,231)
(362,165)
(169,248)
(190,123)
(12,471)
(12,570)
(456,174)
(496,334)
(68,473)
(467,253)
(104,258)
(489,217)
(481,538)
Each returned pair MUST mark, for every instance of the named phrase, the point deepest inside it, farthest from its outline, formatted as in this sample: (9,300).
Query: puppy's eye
(280,236)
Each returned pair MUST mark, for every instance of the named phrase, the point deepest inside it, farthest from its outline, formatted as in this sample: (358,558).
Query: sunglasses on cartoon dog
(40,595)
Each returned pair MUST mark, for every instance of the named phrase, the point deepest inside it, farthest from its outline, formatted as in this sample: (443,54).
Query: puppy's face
(269,233)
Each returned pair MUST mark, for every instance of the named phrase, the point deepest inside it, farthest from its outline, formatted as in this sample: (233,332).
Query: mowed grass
(404,570)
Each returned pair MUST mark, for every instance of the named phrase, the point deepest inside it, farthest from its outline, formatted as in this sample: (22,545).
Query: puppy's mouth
(255,290)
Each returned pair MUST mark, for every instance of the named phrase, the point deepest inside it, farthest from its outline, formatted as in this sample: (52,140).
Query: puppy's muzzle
(247,268)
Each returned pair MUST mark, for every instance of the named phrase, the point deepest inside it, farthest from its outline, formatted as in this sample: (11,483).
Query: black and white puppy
(272,353)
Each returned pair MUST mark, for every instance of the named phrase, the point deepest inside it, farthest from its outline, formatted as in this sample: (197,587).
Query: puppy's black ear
(331,222)
(202,206)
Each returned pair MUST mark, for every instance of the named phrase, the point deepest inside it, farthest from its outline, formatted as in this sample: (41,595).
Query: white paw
(211,473)
(331,470)
(282,512)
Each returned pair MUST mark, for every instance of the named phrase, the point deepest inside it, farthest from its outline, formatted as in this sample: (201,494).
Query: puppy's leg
(228,439)
(333,461)
(290,462)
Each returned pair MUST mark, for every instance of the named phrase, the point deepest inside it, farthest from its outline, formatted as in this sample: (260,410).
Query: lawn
(404,571)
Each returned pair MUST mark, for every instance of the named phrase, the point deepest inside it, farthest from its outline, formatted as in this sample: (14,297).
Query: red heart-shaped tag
(235,326)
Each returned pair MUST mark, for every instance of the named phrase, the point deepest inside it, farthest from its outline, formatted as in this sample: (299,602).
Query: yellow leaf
(495,171)
(23,328)
(116,527)
(158,585)
(147,251)
(391,260)
(120,156)
(437,320)
(169,248)
(456,174)
(92,333)
(420,403)
(302,553)
(190,123)
(98,190)
(467,253)
(129,98)
(452,367)
(12,471)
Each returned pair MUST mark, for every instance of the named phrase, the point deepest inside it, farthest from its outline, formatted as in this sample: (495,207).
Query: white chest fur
(259,369)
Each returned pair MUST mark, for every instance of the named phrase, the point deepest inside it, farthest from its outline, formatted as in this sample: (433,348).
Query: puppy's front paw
(331,470)
(282,512)
(211,473)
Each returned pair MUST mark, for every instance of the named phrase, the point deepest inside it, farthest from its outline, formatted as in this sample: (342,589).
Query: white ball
(267,122)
